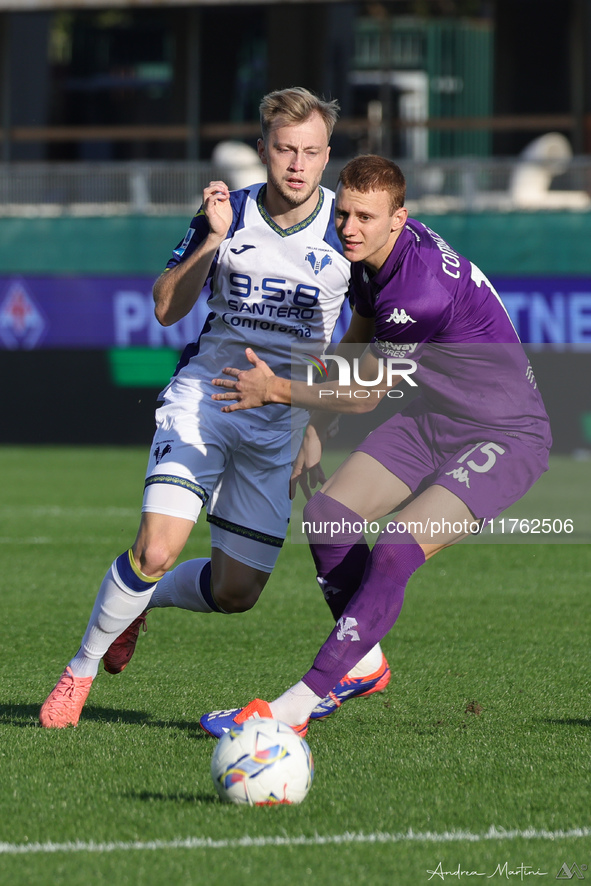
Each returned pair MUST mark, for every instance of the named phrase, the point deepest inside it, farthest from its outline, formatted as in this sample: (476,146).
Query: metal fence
(172,188)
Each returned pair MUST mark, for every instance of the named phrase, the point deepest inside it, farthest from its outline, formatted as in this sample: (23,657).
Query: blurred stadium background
(114,115)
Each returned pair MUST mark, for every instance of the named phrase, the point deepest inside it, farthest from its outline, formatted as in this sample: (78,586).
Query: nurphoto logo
(390,371)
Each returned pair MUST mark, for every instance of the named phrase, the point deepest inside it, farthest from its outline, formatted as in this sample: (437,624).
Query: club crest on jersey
(400,316)
(160,453)
(318,263)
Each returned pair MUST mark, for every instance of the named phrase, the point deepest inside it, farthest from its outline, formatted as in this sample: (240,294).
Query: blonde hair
(295,105)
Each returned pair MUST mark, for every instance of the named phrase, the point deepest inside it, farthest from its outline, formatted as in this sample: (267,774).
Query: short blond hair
(295,105)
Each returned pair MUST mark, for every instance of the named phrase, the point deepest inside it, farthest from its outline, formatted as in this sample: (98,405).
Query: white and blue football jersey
(277,291)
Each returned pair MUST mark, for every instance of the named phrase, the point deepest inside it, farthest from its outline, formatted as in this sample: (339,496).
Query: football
(262,762)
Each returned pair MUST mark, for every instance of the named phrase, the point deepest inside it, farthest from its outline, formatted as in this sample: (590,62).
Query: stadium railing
(36,189)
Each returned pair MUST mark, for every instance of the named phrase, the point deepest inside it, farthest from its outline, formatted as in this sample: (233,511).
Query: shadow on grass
(27,715)
(173,797)
(568,721)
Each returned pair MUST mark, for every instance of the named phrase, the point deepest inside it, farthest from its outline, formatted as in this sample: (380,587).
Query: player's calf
(119,653)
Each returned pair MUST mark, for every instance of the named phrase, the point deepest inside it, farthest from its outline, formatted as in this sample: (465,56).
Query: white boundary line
(493,833)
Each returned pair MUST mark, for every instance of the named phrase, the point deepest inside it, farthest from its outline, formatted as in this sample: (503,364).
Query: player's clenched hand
(307,470)
(217,207)
(248,387)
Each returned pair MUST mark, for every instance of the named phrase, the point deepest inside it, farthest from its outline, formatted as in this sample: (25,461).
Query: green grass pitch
(477,758)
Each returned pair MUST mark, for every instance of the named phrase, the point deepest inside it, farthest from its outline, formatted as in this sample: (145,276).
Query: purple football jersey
(431,305)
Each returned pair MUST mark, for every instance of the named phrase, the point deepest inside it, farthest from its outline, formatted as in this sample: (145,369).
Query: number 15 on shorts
(490,451)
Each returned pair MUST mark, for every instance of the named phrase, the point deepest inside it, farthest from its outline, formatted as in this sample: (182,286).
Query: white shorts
(236,464)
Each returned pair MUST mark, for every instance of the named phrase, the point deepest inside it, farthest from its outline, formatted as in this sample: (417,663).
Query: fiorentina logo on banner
(21,323)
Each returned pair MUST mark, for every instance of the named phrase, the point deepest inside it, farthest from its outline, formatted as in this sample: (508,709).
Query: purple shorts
(488,469)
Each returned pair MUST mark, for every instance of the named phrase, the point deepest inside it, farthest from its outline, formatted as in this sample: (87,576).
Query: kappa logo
(318,264)
(346,628)
(461,475)
(241,249)
(21,323)
(400,316)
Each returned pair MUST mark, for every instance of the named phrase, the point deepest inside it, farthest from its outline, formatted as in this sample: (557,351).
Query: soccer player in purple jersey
(472,443)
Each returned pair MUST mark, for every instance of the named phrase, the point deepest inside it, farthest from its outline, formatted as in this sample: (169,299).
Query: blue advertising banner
(98,312)
(548,310)
(87,312)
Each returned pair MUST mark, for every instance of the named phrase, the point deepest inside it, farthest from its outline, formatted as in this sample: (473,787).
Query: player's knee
(236,598)
(155,558)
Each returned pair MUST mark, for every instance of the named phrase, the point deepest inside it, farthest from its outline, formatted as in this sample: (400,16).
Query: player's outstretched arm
(251,388)
(259,386)
(176,290)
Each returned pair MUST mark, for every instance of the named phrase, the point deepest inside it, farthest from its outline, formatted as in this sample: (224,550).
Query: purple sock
(372,612)
(340,565)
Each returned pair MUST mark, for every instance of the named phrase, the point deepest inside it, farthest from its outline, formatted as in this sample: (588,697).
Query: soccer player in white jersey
(269,262)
